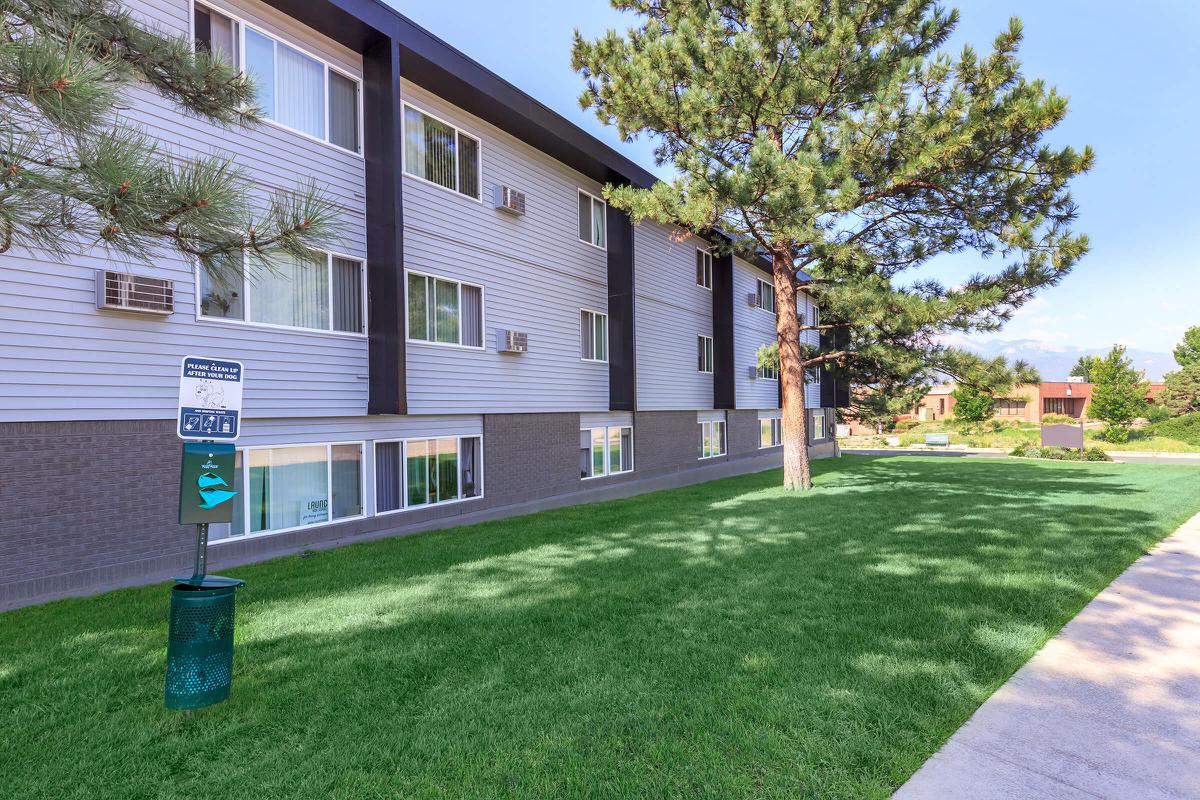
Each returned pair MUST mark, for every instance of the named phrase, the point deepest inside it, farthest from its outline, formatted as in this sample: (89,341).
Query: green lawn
(727,640)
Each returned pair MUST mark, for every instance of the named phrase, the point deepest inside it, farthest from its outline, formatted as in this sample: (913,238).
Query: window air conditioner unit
(120,291)
(753,373)
(512,342)
(510,201)
(752,300)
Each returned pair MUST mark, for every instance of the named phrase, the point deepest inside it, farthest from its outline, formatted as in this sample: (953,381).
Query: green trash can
(200,642)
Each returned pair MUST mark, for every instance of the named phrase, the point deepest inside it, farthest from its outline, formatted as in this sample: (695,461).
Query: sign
(210,399)
(206,482)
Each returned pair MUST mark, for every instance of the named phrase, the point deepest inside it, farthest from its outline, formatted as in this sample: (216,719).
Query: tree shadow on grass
(722,640)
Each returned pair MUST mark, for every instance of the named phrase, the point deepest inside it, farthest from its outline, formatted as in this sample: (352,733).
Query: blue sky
(1131,71)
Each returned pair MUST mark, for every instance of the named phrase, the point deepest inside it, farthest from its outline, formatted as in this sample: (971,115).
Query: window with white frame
(703,268)
(770,432)
(294,89)
(324,293)
(591,219)
(812,376)
(411,473)
(764,296)
(593,335)
(441,153)
(818,424)
(285,487)
(444,311)
(814,316)
(768,372)
(712,438)
(704,348)
(605,450)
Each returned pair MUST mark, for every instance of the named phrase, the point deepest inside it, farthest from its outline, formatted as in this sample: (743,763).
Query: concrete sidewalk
(1109,708)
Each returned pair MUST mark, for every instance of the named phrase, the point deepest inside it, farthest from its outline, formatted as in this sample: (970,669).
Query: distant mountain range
(1055,362)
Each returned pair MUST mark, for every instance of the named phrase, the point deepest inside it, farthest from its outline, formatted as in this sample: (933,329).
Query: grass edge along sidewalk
(722,640)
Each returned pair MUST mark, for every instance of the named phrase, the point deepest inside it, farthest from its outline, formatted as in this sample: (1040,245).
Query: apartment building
(486,338)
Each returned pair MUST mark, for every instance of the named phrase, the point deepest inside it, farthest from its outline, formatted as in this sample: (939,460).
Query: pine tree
(1118,394)
(1187,352)
(1182,392)
(1083,368)
(73,174)
(836,140)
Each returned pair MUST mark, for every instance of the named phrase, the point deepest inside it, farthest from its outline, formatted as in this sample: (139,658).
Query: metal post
(201,563)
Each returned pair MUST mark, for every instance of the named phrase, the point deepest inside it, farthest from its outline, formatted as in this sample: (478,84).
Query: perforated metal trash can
(200,643)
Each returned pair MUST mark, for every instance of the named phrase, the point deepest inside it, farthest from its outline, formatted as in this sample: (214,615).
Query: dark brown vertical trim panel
(385,229)
(724,379)
(622,359)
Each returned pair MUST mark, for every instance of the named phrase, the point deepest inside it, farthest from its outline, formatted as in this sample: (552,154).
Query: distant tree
(1182,392)
(972,405)
(1188,351)
(1118,394)
(74,175)
(880,405)
(1083,368)
(840,141)
(1023,372)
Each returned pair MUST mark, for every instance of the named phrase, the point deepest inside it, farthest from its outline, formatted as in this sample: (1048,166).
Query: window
(764,297)
(818,424)
(593,335)
(704,268)
(324,294)
(294,89)
(814,315)
(712,438)
(440,153)
(443,311)
(605,451)
(768,372)
(812,376)
(295,486)
(591,219)
(704,346)
(770,432)
(1008,407)
(422,472)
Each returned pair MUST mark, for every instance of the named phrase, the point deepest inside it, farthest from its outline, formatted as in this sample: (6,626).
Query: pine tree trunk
(797,473)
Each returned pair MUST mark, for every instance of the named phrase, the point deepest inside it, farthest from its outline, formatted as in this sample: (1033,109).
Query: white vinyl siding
(537,278)
(438,152)
(752,329)
(592,211)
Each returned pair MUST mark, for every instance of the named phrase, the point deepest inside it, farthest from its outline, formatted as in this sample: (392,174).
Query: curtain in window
(343,111)
(260,65)
(300,83)
(585,217)
(429,148)
(446,323)
(346,472)
(598,230)
(387,476)
(468,166)
(347,295)
(585,454)
(587,335)
(289,487)
(293,293)
(469,467)
(472,316)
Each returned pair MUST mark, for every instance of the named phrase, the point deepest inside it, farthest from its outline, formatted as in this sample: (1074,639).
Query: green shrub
(1185,428)
(1060,453)
(903,425)
(1058,419)
(1115,432)
(1157,413)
